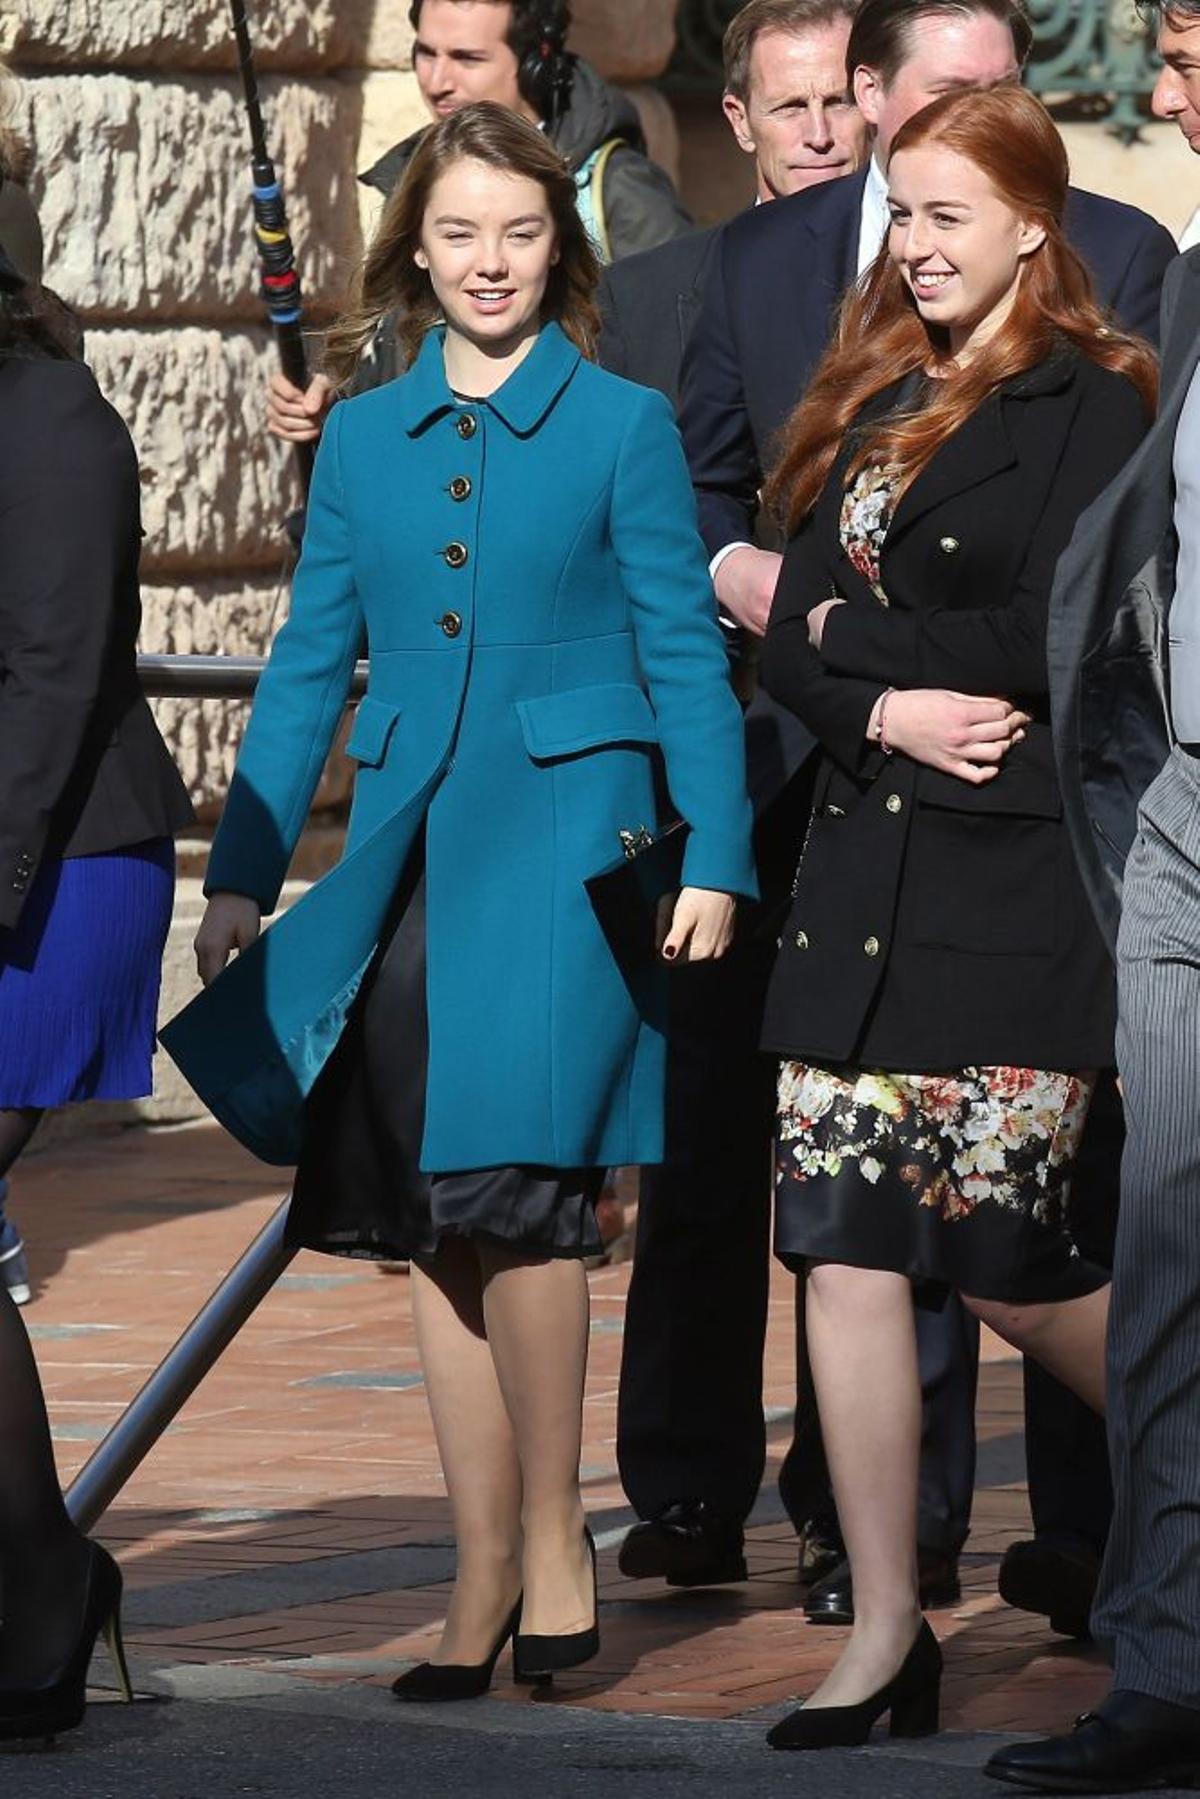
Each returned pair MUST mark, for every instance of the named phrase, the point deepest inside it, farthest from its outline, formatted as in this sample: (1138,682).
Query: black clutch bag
(625,896)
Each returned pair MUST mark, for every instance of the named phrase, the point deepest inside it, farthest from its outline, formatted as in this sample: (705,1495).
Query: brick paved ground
(293,1519)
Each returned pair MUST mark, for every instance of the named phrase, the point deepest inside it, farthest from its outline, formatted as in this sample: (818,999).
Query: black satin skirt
(359,1189)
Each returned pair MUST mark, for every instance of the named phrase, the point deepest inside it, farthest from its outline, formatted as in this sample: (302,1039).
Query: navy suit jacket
(774,283)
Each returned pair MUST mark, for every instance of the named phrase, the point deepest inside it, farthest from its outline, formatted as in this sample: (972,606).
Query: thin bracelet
(884,745)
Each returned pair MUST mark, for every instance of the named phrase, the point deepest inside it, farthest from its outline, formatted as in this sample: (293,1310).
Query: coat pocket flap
(1027,785)
(584,718)
(373,725)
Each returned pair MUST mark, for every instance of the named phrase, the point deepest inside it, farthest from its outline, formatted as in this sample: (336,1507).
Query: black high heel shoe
(912,1698)
(458,1680)
(540,1658)
(59,1704)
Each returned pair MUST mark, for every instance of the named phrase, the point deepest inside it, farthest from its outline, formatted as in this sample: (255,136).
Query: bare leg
(1067,1338)
(43,1560)
(863,1350)
(537,1322)
(477,1449)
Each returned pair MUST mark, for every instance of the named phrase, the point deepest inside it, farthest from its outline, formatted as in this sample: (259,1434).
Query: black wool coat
(937,924)
(83,769)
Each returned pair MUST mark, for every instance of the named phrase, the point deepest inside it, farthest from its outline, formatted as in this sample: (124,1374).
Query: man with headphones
(514,52)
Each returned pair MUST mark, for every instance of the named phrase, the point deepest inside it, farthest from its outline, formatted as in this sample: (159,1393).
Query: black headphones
(538,40)
(544,69)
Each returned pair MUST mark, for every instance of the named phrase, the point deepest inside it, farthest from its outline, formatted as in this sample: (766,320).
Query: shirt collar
(874,216)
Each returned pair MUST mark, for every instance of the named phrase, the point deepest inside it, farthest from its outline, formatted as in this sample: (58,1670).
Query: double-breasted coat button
(801,939)
(451,623)
(949,546)
(871,946)
(467,424)
(455,554)
(894,803)
(460,488)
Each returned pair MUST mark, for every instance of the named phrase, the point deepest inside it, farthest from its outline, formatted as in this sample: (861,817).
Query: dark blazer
(1108,612)
(83,767)
(938,924)
(775,280)
(649,305)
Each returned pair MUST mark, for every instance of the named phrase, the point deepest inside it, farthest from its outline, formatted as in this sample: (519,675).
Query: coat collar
(1181,351)
(522,401)
(983,445)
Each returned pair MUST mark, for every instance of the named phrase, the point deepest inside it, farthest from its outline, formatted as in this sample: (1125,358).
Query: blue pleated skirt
(79,978)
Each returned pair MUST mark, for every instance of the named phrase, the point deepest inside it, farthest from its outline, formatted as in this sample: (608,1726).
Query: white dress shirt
(876,219)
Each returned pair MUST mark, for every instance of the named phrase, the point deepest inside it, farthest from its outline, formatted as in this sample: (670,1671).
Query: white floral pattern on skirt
(1004,1137)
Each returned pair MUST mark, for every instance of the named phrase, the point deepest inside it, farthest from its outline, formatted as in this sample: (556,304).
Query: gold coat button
(455,554)
(460,488)
(451,623)
(801,939)
(949,546)
(467,424)
(894,803)
(871,946)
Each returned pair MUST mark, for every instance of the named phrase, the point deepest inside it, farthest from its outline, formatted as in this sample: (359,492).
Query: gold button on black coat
(801,939)
(460,488)
(871,946)
(949,546)
(894,803)
(455,554)
(451,623)
(467,425)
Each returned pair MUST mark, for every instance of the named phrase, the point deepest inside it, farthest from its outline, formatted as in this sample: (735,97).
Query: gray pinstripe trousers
(1147,1615)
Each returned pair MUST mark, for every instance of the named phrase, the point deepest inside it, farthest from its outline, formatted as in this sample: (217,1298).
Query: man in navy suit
(774,281)
(691,1439)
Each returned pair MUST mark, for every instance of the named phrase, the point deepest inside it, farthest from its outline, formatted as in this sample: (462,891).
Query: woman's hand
(231,922)
(701,926)
(817,617)
(957,733)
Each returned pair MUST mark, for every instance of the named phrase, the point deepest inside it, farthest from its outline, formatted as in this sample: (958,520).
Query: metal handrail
(247,1284)
(215,677)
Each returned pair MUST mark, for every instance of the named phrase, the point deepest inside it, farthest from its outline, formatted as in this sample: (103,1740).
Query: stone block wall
(141,176)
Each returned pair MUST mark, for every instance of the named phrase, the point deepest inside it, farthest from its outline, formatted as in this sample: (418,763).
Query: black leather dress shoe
(1057,1583)
(831,1601)
(687,1545)
(1130,1744)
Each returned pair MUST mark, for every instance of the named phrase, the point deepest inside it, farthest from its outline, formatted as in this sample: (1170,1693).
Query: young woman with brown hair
(439,1029)
(942,998)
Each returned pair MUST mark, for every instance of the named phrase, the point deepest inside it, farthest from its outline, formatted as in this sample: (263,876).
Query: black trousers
(690,1419)
(1066,1447)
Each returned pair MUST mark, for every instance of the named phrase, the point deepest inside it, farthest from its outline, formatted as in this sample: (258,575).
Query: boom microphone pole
(280,280)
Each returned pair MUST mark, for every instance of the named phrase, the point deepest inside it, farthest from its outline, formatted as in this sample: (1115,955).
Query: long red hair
(880,336)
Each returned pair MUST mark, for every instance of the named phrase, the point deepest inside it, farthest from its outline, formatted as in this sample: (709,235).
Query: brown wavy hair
(390,281)
(880,336)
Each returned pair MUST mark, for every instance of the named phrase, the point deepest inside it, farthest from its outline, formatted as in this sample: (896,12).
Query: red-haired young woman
(942,1000)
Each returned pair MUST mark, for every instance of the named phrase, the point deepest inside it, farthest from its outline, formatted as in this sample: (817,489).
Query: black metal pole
(215,677)
(172,1384)
(280,278)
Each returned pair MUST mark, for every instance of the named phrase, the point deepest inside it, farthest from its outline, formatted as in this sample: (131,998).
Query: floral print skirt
(960,1181)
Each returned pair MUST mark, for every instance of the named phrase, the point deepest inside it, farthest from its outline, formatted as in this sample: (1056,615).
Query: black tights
(43,1558)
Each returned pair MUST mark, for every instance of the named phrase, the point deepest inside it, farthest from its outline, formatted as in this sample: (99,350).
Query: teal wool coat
(527,578)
